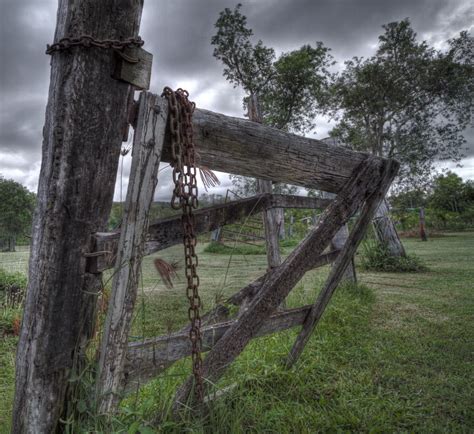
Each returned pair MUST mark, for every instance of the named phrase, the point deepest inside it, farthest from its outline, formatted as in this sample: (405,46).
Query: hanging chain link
(185,196)
(89,41)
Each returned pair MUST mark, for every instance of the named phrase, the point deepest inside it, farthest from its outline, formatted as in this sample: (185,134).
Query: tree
(290,90)
(450,193)
(409,199)
(409,101)
(298,89)
(16,212)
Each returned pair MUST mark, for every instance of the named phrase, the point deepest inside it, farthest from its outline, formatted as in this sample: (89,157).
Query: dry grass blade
(208,177)
(166,271)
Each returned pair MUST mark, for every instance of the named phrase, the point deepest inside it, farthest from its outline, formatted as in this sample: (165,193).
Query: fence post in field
(85,120)
(270,216)
(422,225)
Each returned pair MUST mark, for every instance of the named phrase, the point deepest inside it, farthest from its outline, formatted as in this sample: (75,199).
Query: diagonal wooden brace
(365,181)
(340,265)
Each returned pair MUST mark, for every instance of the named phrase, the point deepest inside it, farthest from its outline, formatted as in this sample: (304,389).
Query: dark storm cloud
(178,33)
(21,125)
(348,27)
(26,27)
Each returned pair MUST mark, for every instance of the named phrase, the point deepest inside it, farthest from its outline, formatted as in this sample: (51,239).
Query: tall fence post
(82,137)
(422,225)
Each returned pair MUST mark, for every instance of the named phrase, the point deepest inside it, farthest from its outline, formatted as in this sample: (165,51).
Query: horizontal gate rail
(167,232)
(147,359)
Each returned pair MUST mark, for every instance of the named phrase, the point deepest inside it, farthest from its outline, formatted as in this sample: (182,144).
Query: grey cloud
(178,33)
(348,27)
(26,27)
(21,125)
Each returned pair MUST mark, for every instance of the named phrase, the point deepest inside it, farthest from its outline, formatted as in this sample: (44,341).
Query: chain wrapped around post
(185,196)
(88,41)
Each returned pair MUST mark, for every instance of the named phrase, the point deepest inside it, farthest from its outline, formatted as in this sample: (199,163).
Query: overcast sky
(178,34)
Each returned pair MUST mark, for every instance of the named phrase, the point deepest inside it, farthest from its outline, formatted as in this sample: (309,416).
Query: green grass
(237,249)
(15,262)
(392,355)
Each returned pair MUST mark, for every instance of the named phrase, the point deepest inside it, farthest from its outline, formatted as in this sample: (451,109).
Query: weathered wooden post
(82,136)
(270,216)
(422,225)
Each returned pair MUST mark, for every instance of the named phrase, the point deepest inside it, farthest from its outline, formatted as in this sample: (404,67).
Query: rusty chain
(185,196)
(88,41)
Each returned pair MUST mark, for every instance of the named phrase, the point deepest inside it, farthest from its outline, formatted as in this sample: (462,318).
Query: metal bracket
(133,66)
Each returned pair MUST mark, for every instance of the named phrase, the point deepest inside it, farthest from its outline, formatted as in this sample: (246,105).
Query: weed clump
(13,286)
(376,257)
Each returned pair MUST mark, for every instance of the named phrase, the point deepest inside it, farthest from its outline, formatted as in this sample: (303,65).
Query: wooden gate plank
(167,232)
(239,146)
(147,146)
(147,359)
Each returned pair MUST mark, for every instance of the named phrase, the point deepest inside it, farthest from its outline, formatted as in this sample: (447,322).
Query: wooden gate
(359,181)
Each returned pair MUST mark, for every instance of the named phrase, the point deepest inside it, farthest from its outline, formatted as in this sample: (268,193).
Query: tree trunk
(385,231)
(7,244)
(82,136)
(270,221)
(338,242)
(342,262)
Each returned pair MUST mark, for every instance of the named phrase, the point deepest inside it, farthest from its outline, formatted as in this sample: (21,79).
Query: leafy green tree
(409,101)
(245,64)
(298,90)
(16,211)
(409,199)
(451,193)
(289,89)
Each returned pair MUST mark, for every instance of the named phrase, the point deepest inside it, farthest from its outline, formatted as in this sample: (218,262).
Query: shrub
(376,257)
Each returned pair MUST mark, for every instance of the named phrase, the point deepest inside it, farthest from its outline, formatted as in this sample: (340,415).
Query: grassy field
(393,355)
